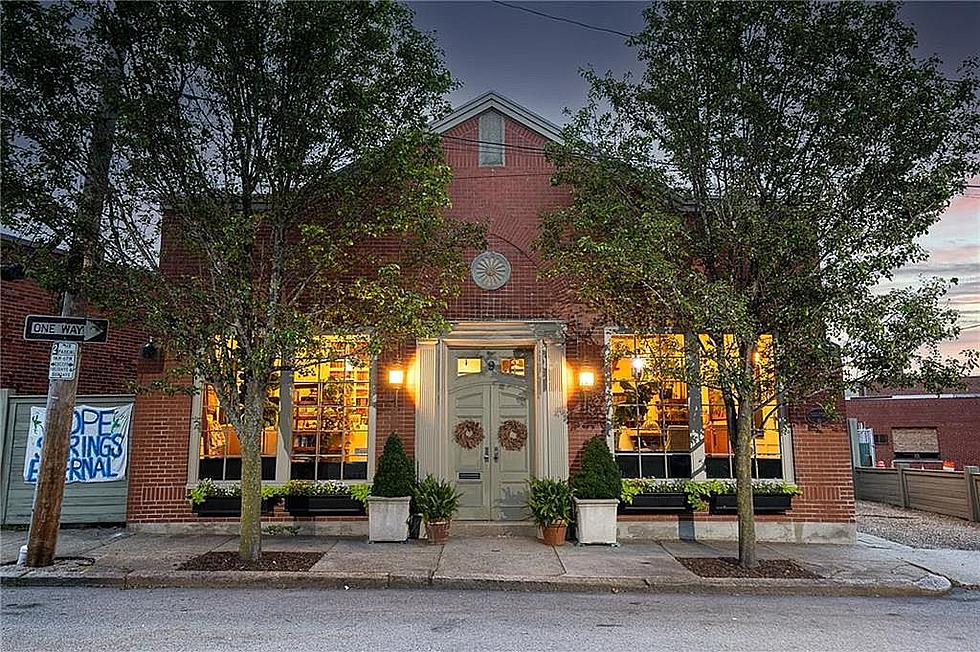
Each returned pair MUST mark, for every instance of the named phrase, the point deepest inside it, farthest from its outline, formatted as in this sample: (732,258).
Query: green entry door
(491,430)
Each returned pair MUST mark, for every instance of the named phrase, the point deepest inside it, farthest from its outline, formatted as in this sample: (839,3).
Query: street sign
(64,361)
(51,328)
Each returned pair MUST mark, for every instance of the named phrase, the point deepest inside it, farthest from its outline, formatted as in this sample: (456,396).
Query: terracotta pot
(553,535)
(437,531)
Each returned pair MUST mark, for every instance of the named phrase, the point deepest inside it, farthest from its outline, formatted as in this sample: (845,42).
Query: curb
(929,586)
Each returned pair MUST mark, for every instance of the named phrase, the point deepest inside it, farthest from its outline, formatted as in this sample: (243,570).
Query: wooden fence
(955,493)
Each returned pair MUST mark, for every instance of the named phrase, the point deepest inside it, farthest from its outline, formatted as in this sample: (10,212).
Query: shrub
(598,476)
(395,476)
(550,501)
(436,500)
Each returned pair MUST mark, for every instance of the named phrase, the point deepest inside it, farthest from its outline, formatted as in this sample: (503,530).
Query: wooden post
(50,489)
(903,491)
(971,473)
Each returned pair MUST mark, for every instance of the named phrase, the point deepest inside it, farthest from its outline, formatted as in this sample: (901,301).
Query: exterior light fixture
(586,378)
(396,376)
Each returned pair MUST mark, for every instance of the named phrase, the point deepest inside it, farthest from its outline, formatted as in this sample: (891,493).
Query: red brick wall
(509,201)
(106,368)
(956,420)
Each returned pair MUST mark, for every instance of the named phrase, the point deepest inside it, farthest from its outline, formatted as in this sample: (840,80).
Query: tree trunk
(743,482)
(250,436)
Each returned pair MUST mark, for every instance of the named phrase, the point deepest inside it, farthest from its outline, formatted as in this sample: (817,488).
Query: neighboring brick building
(512,375)
(918,428)
(105,376)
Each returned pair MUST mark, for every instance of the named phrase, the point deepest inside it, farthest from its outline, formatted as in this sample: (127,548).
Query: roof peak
(494,100)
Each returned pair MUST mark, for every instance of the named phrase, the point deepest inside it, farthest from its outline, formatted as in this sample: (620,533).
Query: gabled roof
(497,102)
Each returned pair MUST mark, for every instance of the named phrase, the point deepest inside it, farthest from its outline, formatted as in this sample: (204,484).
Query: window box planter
(338,505)
(763,503)
(656,502)
(227,506)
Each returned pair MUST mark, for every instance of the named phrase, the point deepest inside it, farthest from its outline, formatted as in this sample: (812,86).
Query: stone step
(494,529)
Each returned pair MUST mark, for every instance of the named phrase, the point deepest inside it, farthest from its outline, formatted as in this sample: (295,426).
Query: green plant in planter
(208,488)
(395,477)
(313,488)
(700,491)
(436,500)
(549,500)
(633,486)
(775,489)
(598,477)
(359,491)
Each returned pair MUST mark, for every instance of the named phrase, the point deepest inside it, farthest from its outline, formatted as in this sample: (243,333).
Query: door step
(494,529)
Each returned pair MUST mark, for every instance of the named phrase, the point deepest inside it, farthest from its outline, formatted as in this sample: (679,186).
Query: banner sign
(98,447)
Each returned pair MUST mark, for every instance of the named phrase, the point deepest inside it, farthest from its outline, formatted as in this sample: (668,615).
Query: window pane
(331,394)
(220,450)
(491,138)
(650,403)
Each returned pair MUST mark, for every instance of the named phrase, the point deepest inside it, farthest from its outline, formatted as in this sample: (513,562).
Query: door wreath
(512,435)
(468,434)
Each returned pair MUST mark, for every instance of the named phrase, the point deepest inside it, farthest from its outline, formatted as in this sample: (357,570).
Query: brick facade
(955,416)
(509,201)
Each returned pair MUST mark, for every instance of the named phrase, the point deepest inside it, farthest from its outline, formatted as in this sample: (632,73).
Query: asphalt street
(55,619)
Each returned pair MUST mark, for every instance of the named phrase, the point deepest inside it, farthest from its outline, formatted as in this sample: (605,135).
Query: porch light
(586,378)
(396,376)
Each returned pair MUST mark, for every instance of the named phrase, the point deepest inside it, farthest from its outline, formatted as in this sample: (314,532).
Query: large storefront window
(330,414)
(220,449)
(651,418)
(652,415)
(719,449)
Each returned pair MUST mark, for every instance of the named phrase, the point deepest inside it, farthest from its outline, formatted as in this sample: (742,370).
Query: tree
(303,195)
(268,179)
(771,166)
(62,72)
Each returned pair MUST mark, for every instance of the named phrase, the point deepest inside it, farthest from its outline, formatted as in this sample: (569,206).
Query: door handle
(486,454)
(496,453)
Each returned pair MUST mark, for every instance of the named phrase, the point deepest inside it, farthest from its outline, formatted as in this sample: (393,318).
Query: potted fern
(549,500)
(436,502)
(391,493)
(597,486)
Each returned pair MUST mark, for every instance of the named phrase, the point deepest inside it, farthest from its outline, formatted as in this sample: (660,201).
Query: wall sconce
(586,379)
(396,376)
(150,351)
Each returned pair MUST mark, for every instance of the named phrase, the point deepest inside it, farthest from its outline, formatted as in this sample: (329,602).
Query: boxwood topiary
(395,477)
(598,477)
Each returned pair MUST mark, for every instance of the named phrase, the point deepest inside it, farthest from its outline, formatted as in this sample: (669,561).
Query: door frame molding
(546,339)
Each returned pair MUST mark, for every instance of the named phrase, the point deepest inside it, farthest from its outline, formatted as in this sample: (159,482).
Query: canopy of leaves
(773,164)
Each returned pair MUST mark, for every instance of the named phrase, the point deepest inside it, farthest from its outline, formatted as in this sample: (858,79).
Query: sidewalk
(115,557)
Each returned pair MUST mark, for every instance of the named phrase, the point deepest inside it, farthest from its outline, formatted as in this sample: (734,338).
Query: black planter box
(763,503)
(659,502)
(227,506)
(324,506)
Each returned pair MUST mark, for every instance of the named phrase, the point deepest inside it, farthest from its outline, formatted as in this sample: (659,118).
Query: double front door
(491,430)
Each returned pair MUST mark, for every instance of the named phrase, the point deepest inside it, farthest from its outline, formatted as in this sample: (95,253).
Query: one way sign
(51,328)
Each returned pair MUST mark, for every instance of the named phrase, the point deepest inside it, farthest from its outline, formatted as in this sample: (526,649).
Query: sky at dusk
(536,61)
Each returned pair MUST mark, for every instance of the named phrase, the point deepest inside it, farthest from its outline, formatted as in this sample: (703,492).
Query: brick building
(920,429)
(514,390)
(105,376)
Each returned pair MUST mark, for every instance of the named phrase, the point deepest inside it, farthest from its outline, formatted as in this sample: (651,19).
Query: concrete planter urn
(388,518)
(596,520)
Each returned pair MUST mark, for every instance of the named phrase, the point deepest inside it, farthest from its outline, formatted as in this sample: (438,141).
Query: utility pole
(83,250)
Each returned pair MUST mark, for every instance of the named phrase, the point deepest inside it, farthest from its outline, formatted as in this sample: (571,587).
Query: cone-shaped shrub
(598,476)
(395,476)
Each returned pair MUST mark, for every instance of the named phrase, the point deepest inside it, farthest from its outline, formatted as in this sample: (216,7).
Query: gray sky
(535,61)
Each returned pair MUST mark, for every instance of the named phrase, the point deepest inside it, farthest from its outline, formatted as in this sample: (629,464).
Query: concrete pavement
(116,557)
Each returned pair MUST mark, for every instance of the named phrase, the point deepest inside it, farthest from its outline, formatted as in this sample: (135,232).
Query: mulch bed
(269,561)
(728,567)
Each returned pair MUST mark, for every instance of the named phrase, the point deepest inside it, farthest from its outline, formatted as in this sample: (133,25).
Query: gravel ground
(915,528)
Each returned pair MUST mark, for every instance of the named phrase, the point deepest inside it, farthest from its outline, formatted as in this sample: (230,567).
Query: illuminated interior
(330,405)
(221,451)
(652,419)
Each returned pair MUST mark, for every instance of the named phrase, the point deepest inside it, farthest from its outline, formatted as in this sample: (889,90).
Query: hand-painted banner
(98,447)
